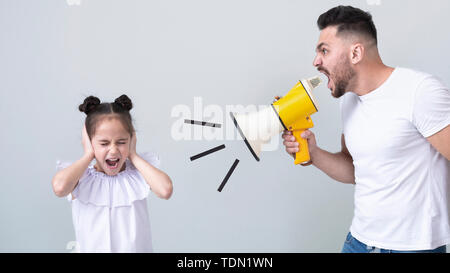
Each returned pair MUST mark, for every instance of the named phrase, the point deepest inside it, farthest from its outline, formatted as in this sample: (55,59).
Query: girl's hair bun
(89,104)
(124,102)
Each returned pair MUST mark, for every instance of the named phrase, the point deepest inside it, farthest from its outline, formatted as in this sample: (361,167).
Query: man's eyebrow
(122,139)
(320,45)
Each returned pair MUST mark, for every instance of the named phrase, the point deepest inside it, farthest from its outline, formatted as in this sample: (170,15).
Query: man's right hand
(292,146)
(338,166)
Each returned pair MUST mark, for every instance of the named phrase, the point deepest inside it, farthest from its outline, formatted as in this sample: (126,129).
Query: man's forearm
(338,166)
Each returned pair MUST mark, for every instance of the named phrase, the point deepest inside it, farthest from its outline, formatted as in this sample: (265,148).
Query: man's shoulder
(411,76)
(408,83)
(419,81)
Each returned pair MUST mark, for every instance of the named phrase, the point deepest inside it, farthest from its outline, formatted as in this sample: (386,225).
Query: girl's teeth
(112,162)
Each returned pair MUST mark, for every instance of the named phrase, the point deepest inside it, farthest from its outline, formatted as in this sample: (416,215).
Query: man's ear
(356,53)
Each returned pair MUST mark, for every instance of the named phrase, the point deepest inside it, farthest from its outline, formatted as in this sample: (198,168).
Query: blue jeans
(352,245)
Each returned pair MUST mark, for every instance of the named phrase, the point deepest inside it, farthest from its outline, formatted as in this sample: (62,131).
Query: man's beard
(341,78)
(344,73)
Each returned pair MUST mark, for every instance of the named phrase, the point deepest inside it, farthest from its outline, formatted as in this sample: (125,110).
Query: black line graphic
(215,149)
(203,123)
(228,175)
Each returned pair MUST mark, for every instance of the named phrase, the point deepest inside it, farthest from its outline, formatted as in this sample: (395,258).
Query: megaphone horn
(291,112)
(257,128)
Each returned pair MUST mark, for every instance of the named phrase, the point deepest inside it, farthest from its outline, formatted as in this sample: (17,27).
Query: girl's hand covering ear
(87,146)
(132,145)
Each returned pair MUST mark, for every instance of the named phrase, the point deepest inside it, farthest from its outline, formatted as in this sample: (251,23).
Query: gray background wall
(163,54)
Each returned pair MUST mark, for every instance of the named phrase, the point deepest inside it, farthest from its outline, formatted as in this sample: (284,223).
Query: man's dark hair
(349,20)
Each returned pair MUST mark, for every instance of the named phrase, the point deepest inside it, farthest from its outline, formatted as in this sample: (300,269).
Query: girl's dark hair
(95,110)
(349,20)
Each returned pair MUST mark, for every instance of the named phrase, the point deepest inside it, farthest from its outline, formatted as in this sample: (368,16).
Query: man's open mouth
(328,77)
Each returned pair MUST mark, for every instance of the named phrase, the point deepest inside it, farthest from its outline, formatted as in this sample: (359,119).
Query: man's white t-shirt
(402,190)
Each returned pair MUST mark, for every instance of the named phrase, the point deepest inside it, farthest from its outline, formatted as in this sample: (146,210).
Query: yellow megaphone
(291,112)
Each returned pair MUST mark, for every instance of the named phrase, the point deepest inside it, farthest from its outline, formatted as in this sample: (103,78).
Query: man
(395,141)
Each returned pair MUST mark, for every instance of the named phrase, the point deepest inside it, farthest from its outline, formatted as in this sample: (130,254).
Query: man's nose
(317,61)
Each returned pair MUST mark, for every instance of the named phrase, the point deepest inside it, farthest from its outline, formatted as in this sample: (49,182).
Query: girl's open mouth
(112,163)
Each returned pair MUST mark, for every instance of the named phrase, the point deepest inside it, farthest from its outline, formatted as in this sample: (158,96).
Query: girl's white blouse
(109,213)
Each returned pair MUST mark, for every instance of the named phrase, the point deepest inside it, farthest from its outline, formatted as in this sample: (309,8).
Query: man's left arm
(441,142)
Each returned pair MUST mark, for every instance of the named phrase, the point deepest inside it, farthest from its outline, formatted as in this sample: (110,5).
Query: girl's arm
(65,180)
(158,180)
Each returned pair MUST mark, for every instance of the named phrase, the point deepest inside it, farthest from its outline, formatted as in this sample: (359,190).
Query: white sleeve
(60,165)
(151,158)
(431,108)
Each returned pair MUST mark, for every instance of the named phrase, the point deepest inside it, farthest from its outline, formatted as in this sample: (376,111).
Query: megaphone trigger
(302,156)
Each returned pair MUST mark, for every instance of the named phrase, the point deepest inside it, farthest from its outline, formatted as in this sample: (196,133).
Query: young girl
(109,207)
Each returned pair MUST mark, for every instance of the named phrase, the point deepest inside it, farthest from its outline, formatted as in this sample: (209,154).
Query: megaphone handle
(302,156)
